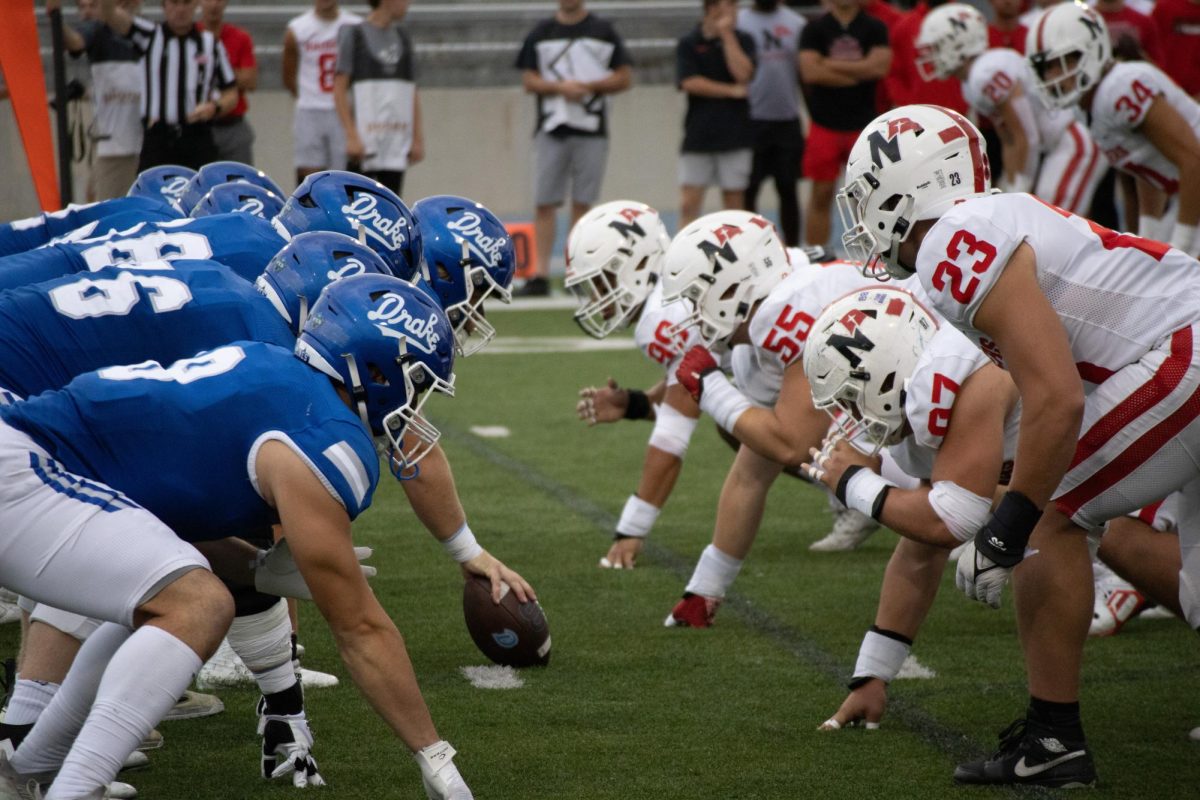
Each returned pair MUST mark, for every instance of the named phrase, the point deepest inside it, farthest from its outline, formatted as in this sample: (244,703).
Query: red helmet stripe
(1040,27)
(963,128)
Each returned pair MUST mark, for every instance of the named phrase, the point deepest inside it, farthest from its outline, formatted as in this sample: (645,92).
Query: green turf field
(630,710)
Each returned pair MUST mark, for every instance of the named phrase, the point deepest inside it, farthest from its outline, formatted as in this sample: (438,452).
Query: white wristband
(863,491)
(1184,237)
(462,546)
(721,401)
(880,657)
(637,518)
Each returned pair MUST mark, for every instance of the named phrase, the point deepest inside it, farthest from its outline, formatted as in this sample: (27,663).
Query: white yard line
(493,677)
(508,345)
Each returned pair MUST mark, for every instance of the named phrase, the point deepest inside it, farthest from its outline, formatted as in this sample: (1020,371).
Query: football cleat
(14,785)
(850,529)
(693,611)
(194,705)
(135,760)
(1029,759)
(9,610)
(152,741)
(1195,735)
(226,669)
(1116,603)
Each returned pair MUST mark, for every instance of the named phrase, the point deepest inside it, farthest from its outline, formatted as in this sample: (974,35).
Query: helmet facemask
(873,235)
(604,304)
(472,331)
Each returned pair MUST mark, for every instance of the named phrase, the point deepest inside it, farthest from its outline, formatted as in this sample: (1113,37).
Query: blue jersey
(79,222)
(242,242)
(181,440)
(52,331)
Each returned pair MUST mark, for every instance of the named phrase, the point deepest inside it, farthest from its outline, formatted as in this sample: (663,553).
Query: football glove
(286,748)
(441,778)
(980,578)
(692,369)
(276,573)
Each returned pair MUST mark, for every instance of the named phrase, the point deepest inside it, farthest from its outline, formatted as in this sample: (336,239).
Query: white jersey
(653,327)
(991,81)
(948,360)
(1118,110)
(1117,295)
(317,41)
(781,325)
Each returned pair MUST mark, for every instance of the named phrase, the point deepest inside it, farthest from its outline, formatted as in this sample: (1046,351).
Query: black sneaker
(534,287)
(1032,760)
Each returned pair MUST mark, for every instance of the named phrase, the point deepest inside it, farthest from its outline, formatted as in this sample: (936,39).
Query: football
(512,633)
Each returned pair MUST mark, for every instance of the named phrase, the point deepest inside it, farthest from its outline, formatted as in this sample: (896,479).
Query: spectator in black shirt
(714,64)
(571,62)
(843,55)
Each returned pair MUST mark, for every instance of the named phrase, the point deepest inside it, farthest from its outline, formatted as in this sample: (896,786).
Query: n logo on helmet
(630,227)
(722,247)
(958,24)
(890,146)
(847,345)
(1091,24)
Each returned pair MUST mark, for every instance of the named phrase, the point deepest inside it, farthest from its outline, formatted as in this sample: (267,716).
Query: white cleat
(14,785)
(9,610)
(135,760)
(1195,735)
(120,791)
(225,668)
(850,529)
(1116,602)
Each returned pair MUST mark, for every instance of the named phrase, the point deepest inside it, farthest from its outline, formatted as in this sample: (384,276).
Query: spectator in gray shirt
(775,108)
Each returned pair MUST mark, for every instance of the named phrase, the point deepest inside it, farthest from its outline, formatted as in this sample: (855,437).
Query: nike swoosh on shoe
(1023,771)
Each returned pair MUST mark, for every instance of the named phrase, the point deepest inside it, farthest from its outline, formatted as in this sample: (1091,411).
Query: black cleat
(536,286)
(1031,760)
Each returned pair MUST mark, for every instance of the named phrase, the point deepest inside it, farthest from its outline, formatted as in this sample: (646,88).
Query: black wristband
(862,680)
(618,536)
(1004,536)
(638,406)
(844,481)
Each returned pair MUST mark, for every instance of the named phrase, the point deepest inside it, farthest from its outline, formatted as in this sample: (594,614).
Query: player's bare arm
(434,498)
(1014,141)
(1176,140)
(660,471)
(817,69)
(1027,331)
(318,532)
(291,62)
(786,432)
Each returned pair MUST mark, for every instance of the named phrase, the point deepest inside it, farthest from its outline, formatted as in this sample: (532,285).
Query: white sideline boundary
(519,345)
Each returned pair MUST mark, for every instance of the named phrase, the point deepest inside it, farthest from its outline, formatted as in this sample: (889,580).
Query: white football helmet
(861,353)
(723,263)
(614,256)
(950,34)
(1074,38)
(912,163)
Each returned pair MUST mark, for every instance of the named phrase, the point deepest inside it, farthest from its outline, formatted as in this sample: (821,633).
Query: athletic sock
(715,573)
(29,699)
(143,681)
(1060,719)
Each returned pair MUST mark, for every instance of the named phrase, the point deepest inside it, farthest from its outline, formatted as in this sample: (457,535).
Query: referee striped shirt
(181,72)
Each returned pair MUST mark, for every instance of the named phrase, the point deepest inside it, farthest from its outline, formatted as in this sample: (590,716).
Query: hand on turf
(494,569)
(623,553)
(866,704)
(696,363)
(834,458)
(439,775)
(287,742)
(605,403)
(276,573)
(980,578)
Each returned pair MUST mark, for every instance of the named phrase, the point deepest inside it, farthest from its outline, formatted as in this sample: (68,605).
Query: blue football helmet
(347,203)
(388,343)
(167,181)
(469,257)
(239,196)
(218,172)
(297,274)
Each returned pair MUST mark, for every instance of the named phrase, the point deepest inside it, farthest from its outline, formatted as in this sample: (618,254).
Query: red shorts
(826,152)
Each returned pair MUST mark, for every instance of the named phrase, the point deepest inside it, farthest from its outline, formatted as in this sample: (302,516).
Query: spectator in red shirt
(1005,29)
(1178,23)
(232,133)
(904,85)
(883,11)
(1131,31)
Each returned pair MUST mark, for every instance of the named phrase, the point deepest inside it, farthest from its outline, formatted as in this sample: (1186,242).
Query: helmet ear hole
(306,200)
(377,376)
(443,273)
